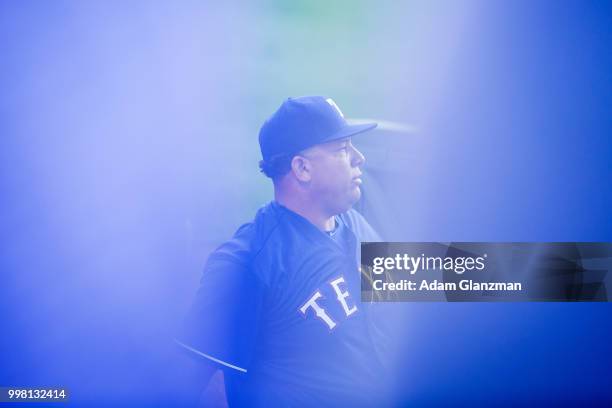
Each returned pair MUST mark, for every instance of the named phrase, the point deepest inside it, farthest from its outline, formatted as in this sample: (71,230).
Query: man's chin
(355,195)
(342,205)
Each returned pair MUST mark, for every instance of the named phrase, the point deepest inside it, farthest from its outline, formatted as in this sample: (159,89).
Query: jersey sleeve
(223,321)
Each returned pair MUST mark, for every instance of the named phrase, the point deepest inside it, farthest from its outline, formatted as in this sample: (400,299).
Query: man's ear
(301,168)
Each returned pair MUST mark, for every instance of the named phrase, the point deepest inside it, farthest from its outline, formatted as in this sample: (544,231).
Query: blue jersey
(278,309)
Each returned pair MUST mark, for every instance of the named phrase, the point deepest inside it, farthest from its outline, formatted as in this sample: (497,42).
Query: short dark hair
(276,166)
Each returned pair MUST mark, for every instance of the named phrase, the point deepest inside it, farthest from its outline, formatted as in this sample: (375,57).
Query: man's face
(335,174)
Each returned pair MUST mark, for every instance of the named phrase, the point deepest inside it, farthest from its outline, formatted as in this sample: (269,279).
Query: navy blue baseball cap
(303,122)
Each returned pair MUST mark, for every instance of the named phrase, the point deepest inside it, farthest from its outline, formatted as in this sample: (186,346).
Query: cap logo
(333,104)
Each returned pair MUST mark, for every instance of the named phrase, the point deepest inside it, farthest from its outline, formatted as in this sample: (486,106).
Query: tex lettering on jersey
(313,307)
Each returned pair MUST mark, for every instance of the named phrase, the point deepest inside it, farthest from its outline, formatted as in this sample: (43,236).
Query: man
(278,309)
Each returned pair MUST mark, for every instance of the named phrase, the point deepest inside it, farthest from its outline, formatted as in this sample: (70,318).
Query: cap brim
(350,130)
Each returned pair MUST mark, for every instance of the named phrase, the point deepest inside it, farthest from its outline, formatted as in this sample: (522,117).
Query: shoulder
(257,249)
(249,238)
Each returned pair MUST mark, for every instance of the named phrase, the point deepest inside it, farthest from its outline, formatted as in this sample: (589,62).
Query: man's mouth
(357,180)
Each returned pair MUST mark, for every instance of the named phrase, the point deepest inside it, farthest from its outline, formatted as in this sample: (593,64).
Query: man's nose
(358,157)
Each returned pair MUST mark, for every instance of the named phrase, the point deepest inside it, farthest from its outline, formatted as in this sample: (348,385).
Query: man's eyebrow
(343,141)
(338,144)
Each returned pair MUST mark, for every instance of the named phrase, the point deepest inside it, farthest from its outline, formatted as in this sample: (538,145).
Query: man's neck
(316,217)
